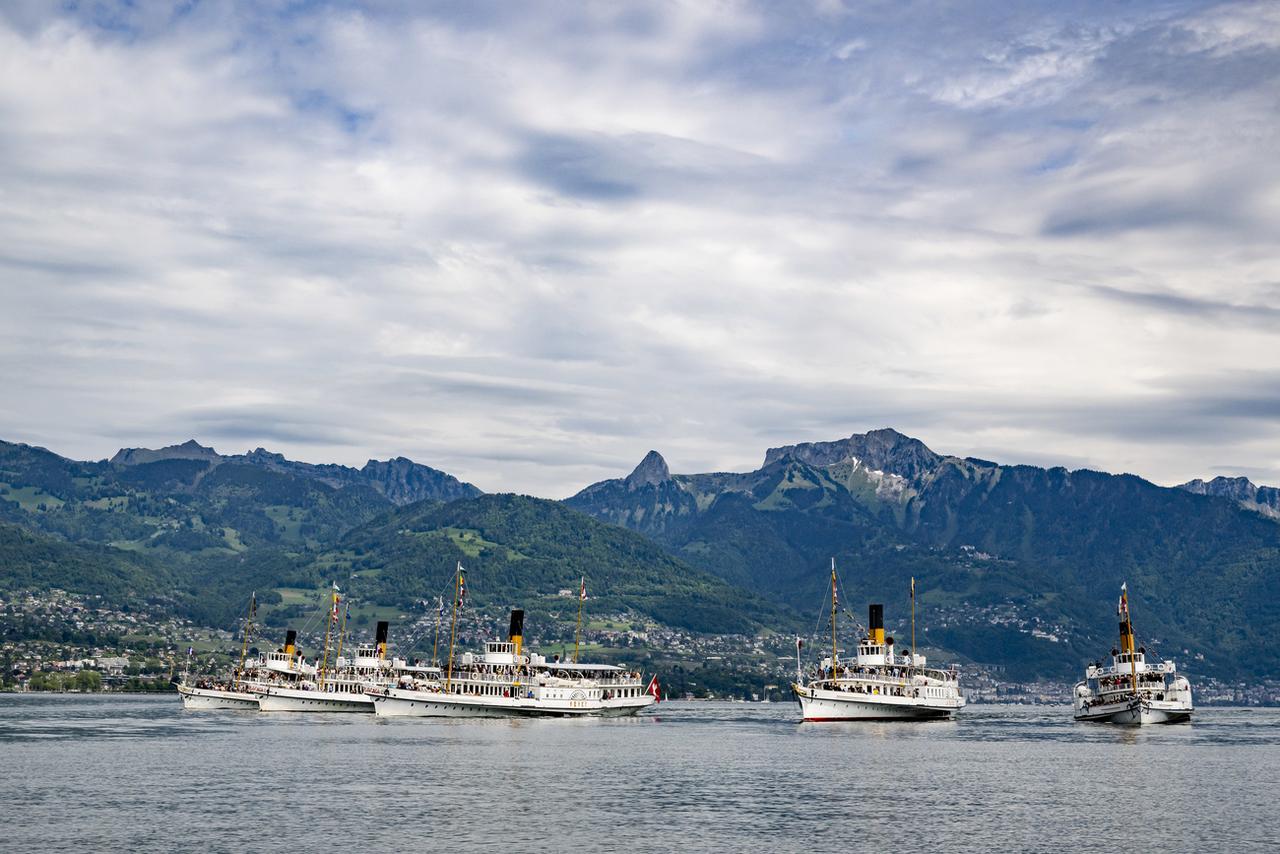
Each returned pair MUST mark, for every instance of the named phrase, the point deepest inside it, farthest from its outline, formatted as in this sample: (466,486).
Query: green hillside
(198,535)
(522,551)
(33,561)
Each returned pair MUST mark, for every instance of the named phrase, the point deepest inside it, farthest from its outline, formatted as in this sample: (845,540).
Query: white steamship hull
(820,705)
(296,700)
(1135,713)
(399,702)
(207,699)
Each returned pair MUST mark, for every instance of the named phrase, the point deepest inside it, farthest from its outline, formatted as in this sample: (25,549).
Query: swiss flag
(654,689)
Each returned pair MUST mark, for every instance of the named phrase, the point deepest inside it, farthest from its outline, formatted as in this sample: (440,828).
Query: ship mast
(913,622)
(244,648)
(453,623)
(577,635)
(342,631)
(835,603)
(328,632)
(435,644)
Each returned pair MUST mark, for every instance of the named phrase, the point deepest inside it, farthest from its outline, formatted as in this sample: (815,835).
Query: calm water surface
(103,773)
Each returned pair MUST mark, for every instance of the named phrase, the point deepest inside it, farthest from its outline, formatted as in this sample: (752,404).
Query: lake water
(111,773)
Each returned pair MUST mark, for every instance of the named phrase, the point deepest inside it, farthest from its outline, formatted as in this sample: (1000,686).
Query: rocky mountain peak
(1239,488)
(884,450)
(403,481)
(188,450)
(262,455)
(652,470)
(1263,499)
(394,463)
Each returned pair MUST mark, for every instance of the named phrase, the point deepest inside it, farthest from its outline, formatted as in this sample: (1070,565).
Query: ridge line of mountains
(400,479)
(1017,564)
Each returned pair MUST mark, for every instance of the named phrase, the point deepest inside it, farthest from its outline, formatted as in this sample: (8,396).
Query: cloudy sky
(527,242)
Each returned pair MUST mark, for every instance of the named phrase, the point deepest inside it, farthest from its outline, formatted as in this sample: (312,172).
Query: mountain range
(190,497)
(1021,563)
(400,480)
(1017,567)
(196,530)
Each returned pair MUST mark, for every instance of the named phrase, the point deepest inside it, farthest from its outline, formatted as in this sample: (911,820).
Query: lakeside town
(58,641)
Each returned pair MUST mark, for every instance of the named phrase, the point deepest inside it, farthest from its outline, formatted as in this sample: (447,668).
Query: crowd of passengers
(844,672)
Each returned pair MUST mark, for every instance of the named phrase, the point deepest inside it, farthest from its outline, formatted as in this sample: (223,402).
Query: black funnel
(517,624)
(875,619)
(380,634)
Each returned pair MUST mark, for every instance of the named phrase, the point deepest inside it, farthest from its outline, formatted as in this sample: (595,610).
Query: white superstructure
(343,687)
(283,681)
(505,681)
(1132,690)
(284,668)
(340,691)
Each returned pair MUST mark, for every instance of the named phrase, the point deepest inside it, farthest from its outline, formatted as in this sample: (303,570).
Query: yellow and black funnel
(290,642)
(1126,624)
(875,623)
(516,634)
(1126,633)
(380,638)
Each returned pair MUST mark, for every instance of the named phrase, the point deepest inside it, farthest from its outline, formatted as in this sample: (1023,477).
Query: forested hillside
(1009,555)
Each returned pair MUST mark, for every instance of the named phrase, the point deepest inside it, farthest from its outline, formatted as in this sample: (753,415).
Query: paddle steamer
(1132,691)
(505,681)
(237,693)
(879,684)
(337,689)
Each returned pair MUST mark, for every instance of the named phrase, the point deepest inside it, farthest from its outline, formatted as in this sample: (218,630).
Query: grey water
(139,774)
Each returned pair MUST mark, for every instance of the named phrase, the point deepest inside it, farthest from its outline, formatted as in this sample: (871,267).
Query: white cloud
(528,247)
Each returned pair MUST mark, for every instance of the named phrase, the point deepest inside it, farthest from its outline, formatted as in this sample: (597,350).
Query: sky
(525,243)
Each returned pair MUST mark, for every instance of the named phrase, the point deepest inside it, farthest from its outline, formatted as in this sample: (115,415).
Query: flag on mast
(1123,607)
(653,689)
(913,587)
(582,590)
